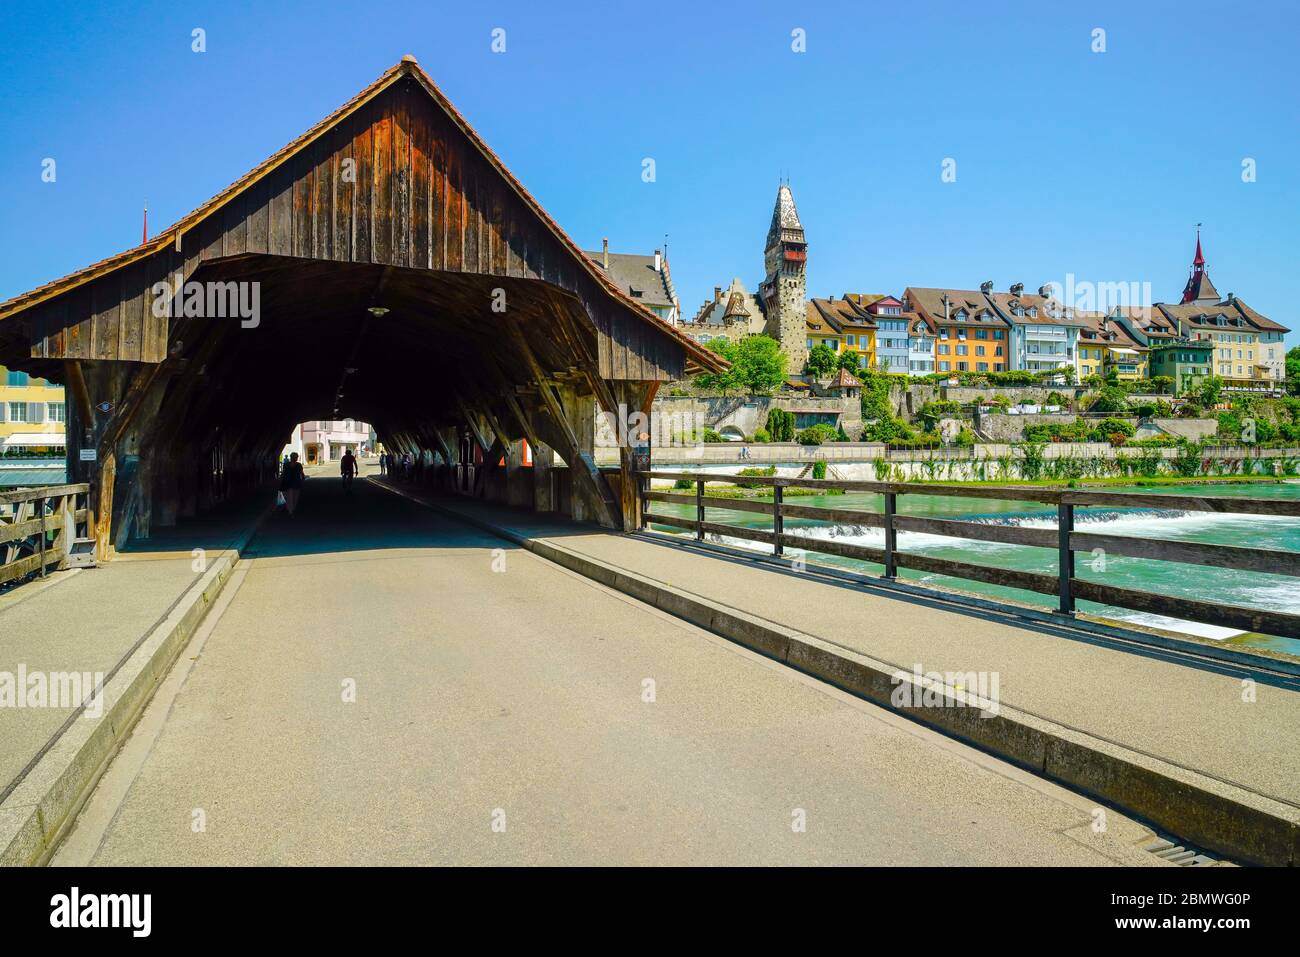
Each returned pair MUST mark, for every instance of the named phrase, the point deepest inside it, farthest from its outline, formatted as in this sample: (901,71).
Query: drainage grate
(1182,855)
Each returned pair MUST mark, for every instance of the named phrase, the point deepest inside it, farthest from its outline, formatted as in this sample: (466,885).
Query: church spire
(1199,288)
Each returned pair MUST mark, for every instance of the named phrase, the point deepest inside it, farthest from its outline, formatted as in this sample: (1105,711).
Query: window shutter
(36,412)
(4,411)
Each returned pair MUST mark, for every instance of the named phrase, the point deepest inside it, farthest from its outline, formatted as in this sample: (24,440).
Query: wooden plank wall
(396,183)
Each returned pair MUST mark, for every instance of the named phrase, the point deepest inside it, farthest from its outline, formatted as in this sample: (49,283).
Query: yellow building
(1105,347)
(843,325)
(32,415)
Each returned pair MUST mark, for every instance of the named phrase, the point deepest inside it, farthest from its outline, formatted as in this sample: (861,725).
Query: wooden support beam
(581,464)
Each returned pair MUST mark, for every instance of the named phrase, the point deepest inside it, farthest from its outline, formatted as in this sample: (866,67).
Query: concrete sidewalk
(89,620)
(1188,717)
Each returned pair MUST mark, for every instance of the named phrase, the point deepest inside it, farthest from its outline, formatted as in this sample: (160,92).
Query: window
(979,350)
(997,333)
(57,412)
(810,344)
(17,411)
(850,340)
(943,365)
(981,333)
(943,348)
(962,350)
(981,367)
(16,379)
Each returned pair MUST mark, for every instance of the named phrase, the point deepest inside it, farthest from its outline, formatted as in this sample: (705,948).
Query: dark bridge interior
(401,276)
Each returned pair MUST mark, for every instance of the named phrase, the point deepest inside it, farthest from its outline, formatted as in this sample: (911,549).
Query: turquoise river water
(1251,589)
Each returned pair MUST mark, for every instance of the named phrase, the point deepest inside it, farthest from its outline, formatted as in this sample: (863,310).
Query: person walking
(291,480)
(383,463)
(348,469)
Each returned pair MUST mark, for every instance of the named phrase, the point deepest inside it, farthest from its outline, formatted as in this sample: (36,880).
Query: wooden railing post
(891,534)
(40,507)
(778,521)
(699,510)
(1065,555)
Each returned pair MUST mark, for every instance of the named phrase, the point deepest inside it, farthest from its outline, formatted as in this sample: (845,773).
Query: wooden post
(1065,556)
(778,520)
(699,510)
(891,534)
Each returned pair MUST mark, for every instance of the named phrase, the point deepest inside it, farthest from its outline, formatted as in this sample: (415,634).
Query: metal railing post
(778,521)
(699,510)
(891,536)
(1065,556)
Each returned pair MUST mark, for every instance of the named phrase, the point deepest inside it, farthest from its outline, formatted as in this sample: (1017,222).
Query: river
(1251,589)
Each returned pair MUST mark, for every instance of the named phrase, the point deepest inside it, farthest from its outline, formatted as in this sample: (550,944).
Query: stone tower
(784,291)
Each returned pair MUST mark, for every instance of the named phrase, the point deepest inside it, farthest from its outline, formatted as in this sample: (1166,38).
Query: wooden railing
(1064,539)
(38,527)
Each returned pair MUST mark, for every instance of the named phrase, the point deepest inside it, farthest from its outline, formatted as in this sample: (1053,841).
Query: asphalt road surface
(380,685)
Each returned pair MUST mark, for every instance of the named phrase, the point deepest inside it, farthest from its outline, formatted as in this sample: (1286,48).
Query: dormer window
(961,315)
(1033,312)
(1019,310)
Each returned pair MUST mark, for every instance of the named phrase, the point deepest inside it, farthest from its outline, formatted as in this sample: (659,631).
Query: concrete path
(88,620)
(509,712)
(1190,717)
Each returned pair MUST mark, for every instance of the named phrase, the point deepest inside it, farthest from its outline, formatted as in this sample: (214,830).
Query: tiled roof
(839,315)
(1049,311)
(407,66)
(928,302)
(844,380)
(635,276)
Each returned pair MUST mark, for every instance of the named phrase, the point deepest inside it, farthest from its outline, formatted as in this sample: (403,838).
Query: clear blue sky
(1067,160)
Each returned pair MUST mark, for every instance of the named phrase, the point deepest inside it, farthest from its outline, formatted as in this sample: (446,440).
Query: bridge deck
(1188,716)
(522,690)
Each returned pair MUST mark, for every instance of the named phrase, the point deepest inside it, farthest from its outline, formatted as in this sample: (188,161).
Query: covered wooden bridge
(384,266)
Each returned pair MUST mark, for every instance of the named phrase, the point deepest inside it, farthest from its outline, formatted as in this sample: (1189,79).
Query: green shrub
(761,436)
(754,473)
(819,470)
(817,434)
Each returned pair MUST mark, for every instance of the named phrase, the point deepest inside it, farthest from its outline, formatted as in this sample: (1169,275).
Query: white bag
(279,500)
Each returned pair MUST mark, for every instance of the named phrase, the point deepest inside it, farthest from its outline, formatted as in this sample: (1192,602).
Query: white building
(325,441)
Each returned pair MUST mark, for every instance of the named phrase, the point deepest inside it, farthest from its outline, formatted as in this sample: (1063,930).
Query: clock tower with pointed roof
(784,292)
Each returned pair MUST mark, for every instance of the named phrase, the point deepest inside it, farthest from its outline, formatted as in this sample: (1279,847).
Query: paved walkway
(88,620)
(1187,716)
(508,711)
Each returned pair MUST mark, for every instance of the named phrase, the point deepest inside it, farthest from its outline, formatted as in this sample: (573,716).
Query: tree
(757,365)
(1110,399)
(1293,363)
(822,362)
(849,360)
(1209,390)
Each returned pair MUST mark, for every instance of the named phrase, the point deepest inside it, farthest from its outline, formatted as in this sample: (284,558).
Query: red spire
(146,224)
(1192,291)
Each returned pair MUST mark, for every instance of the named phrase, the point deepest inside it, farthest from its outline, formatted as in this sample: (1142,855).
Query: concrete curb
(34,818)
(1202,810)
